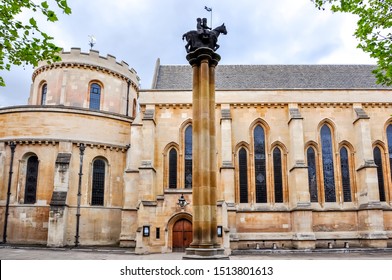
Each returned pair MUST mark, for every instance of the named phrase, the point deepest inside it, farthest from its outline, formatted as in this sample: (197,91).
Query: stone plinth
(205,244)
(205,254)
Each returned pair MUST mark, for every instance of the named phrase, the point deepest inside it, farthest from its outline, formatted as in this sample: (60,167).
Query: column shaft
(204,168)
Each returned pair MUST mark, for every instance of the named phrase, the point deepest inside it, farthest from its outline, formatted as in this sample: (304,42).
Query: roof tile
(179,77)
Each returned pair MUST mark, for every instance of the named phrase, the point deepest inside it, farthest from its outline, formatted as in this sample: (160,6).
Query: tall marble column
(204,245)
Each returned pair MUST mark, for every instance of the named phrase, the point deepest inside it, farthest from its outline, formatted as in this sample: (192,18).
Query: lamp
(219,231)
(146,231)
(182,202)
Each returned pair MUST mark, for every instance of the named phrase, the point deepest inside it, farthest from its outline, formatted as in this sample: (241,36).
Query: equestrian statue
(203,36)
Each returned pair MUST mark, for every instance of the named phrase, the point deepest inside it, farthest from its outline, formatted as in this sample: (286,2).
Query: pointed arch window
(188,157)
(380,174)
(312,174)
(98,186)
(243,175)
(278,175)
(173,168)
(134,108)
(328,164)
(260,164)
(95,96)
(345,171)
(30,195)
(389,137)
(44,90)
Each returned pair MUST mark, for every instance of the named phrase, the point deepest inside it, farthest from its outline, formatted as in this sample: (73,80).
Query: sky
(141,31)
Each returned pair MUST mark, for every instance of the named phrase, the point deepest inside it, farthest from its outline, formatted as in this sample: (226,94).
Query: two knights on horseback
(203,36)
(202,28)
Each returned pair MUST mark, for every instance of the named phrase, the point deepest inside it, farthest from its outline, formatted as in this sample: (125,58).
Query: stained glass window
(95,96)
(260,165)
(98,186)
(328,165)
(243,175)
(312,174)
(173,168)
(380,174)
(389,137)
(188,157)
(345,170)
(278,182)
(44,90)
(31,180)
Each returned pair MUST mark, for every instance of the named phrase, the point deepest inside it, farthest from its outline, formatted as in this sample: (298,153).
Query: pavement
(23,252)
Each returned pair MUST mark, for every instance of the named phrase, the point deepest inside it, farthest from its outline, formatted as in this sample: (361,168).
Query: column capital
(197,56)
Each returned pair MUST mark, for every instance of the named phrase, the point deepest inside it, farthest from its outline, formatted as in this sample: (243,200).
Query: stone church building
(304,157)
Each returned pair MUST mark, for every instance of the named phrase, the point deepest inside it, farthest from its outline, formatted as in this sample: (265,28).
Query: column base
(127,243)
(304,244)
(374,243)
(57,226)
(205,254)
(374,239)
(304,240)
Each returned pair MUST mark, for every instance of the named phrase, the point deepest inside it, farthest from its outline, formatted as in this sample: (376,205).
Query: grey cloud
(139,32)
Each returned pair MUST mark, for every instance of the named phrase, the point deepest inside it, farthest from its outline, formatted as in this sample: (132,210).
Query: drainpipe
(129,85)
(12,146)
(81,150)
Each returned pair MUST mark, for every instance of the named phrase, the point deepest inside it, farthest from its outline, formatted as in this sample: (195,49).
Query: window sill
(178,191)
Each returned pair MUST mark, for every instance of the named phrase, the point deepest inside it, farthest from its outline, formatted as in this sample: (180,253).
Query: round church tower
(86,80)
(67,150)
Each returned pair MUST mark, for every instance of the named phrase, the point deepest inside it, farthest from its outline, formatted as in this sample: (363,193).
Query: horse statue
(207,39)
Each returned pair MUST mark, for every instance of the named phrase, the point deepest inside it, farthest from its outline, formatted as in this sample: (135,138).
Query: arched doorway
(182,235)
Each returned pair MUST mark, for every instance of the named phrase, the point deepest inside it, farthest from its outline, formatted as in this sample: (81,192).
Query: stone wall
(50,132)
(68,82)
(253,225)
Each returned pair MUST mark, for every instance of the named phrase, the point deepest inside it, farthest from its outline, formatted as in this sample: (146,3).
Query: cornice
(86,66)
(54,142)
(64,109)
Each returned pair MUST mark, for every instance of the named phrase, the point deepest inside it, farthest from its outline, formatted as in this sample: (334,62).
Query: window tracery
(328,164)
(95,96)
(31,180)
(260,164)
(98,182)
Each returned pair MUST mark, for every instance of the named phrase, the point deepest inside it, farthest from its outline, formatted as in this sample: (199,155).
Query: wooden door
(182,235)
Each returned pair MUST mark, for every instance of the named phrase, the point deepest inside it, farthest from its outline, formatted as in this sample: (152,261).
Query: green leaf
(14,33)
(373,30)
(52,16)
(33,22)
(67,10)
(45,5)
(22,42)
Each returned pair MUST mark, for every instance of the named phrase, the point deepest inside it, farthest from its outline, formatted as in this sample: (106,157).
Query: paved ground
(8,252)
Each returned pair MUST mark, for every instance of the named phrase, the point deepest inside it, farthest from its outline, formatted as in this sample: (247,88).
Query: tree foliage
(23,41)
(373,30)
